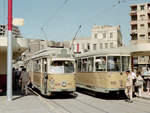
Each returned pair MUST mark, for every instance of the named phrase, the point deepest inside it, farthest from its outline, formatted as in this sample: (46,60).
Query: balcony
(133,13)
(133,8)
(148,7)
(149,34)
(133,31)
(133,22)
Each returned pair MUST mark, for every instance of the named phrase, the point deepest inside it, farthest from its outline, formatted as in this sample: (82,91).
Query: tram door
(45,76)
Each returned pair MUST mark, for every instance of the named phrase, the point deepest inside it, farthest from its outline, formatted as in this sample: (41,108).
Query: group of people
(134,85)
(21,78)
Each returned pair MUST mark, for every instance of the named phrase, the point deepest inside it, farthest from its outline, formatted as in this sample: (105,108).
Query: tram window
(90,64)
(37,66)
(100,63)
(79,65)
(60,67)
(113,63)
(84,65)
(44,65)
(125,63)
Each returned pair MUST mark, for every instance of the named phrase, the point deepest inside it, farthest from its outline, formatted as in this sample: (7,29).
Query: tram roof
(110,51)
(47,52)
(135,49)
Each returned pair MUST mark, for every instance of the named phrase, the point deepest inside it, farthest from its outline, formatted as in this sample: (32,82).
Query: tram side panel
(91,81)
(101,81)
(115,81)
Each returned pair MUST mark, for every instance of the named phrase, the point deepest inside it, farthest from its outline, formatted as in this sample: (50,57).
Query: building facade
(140,32)
(140,23)
(19,45)
(101,37)
(106,37)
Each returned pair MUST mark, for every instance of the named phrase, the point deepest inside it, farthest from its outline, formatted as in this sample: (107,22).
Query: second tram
(103,71)
(52,70)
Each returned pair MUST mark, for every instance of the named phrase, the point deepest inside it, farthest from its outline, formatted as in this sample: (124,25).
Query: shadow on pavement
(16,94)
(107,96)
(61,95)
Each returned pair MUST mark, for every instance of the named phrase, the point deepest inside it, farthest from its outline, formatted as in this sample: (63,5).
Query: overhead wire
(45,25)
(106,11)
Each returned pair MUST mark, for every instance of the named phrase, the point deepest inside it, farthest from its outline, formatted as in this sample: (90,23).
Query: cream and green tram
(52,70)
(103,71)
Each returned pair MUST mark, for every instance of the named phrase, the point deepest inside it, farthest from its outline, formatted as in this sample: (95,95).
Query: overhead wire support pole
(75,37)
(9,52)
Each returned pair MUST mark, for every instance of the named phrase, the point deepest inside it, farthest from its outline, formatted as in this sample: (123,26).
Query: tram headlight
(64,84)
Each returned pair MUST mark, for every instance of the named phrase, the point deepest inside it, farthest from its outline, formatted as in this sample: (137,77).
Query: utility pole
(9,52)
(72,46)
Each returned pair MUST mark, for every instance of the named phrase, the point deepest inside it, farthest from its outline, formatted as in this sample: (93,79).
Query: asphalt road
(89,103)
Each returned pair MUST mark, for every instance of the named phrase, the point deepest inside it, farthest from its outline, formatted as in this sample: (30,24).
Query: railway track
(91,104)
(62,108)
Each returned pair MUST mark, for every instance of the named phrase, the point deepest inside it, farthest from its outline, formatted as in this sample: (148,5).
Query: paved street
(83,103)
(90,104)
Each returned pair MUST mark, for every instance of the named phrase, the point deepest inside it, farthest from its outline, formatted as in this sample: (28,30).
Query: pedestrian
(24,79)
(139,84)
(147,79)
(129,85)
(133,80)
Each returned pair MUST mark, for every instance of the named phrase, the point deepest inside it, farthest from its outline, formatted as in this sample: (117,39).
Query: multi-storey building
(140,23)
(19,45)
(140,32)
(102,37)
(106,37)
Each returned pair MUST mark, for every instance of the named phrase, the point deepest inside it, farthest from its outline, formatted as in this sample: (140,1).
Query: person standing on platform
(133,80)
(129,85)
(139,84)
(24,79)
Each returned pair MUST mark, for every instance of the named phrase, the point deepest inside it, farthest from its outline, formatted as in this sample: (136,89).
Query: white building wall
(101,36)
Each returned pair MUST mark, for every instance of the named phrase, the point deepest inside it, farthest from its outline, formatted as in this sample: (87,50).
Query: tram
(103,71)
(52,70)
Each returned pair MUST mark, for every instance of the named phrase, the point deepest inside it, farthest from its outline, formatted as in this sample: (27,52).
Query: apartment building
(140,23)
(140,32)
(101,37)
(106,37)
(15,31)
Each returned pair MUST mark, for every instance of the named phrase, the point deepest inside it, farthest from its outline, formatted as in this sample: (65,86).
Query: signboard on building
(143,59)
(18,21)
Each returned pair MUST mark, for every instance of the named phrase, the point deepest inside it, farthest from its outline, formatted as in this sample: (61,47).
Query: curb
(147,98)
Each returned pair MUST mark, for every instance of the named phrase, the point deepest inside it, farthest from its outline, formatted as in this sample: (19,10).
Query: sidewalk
(145,95)
(23,104)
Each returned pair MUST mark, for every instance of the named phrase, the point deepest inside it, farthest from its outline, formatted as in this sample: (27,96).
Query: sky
(59,20)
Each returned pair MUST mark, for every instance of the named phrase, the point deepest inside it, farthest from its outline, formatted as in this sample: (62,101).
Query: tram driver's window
(125,63)
(60,67)
(79,65)
(37,65)
(113,63)
(84,65)
(100,63)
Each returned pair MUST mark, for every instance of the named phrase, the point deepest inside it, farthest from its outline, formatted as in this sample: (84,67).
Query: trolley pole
(9,52)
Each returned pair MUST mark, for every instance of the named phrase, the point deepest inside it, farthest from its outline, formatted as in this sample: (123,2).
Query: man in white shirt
(133,74)
(129,84)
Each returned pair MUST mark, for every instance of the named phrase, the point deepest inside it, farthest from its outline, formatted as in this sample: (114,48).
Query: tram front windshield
(60,67)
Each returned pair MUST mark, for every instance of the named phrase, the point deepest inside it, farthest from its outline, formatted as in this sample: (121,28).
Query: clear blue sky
(61,21)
